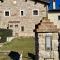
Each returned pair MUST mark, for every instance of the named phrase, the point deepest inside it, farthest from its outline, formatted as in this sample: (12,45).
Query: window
(16,26)
(7,13)
(48,42)
(35,12)
(11,26)
(21,13)
(22,28)
(8,26)
(58,17)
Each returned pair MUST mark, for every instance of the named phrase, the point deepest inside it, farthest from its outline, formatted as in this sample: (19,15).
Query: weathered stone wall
(28,20)
(42,52)
(54,18)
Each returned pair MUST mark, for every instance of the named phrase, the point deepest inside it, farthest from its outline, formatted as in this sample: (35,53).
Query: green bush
(4,33)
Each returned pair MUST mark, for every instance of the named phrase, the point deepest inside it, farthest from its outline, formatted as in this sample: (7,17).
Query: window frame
(23,13)
(16,25)
(33,12)
(22,28)
(48,35)
(5,12)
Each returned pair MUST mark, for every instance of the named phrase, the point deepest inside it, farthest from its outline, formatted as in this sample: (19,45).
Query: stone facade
(53,15)
(27,21)
(43,30)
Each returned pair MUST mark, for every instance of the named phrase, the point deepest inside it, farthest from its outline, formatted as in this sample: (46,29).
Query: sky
(57,2)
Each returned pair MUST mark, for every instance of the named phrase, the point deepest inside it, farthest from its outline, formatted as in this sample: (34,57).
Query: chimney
(54,6)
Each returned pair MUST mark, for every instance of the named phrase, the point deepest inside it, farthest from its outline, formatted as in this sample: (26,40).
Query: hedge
(4,33)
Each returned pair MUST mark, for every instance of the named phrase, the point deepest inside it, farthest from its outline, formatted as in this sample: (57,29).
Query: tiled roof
(46,26)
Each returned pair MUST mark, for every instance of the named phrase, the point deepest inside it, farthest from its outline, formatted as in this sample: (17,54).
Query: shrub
(4,33)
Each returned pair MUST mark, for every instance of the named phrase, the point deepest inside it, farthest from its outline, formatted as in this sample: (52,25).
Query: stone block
(55,45)
(44,54)
(56,56)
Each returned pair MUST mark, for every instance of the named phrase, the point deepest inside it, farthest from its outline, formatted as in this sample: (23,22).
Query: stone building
(21,15)
(54,16)
(47,40)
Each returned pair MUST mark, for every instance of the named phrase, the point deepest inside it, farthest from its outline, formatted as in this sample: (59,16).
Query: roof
(54,11)
(46,26)
(41,1)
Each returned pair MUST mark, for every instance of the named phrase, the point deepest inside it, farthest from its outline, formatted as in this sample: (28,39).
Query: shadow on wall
(31,56)
(14,55)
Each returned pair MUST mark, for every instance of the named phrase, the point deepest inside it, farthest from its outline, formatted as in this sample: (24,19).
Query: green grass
(22,45)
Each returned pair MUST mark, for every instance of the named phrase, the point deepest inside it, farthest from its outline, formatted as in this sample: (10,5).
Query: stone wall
(28,20)
(54,18)
(46,40)
(42,53)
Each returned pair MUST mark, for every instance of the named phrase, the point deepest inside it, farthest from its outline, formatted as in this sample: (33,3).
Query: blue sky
(57,4)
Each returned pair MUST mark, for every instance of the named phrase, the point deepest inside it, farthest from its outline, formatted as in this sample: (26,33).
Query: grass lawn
(22,45)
